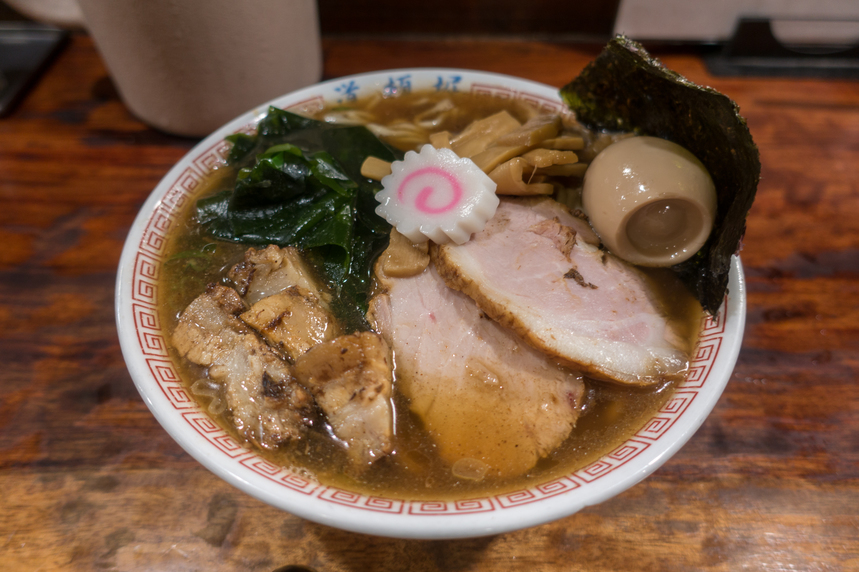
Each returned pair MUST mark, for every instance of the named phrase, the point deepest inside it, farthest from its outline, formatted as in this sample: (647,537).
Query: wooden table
(90,481)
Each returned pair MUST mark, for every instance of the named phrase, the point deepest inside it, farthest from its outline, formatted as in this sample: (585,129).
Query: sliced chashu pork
(493,404)
(351,378)
(536,268)
(267,405)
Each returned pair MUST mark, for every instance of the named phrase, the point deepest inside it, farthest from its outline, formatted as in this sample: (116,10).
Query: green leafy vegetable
(299,183)
(625,89)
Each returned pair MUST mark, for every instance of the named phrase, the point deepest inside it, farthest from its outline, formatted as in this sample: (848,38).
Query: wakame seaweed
(625,89)
(299,183)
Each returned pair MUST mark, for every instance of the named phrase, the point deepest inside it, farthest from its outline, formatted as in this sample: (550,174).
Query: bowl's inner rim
(145,347)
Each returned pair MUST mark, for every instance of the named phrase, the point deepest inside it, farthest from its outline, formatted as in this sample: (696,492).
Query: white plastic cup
(188,66)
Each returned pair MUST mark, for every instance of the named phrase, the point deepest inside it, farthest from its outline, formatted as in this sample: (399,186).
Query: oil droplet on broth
(471,469)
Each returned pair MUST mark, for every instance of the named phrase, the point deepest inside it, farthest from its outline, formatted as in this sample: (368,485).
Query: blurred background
(669,21)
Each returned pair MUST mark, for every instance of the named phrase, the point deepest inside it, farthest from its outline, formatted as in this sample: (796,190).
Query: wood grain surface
(90,481)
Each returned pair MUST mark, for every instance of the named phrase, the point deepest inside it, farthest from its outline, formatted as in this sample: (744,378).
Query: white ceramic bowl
(144,346)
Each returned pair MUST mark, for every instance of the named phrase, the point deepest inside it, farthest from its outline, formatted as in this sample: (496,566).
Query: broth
(612,412)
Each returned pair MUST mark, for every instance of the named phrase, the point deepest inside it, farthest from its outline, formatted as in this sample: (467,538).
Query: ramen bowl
(144,341)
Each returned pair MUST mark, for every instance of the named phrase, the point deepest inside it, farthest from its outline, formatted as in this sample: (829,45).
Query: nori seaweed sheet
(626,89)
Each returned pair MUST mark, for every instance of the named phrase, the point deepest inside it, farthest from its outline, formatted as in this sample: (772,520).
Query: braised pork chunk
(351,378)
(271,270)
(265,402)
(348,377)
(292,321)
